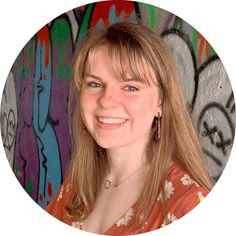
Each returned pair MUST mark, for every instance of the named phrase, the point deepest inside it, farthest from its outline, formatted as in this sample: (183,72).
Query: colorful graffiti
(34,123)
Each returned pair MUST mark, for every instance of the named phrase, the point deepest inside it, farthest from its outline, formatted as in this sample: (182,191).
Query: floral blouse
(182,194)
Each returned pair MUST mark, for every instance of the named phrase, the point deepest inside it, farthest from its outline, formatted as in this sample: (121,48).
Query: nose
(109,98)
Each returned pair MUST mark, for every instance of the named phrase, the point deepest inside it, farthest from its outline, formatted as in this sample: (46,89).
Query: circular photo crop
(118,117)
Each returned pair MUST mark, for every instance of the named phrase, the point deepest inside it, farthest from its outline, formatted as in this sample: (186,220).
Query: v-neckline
(107,232)
(115,223)
(172,167)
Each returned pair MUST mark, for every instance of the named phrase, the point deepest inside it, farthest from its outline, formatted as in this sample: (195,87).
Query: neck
(125,160)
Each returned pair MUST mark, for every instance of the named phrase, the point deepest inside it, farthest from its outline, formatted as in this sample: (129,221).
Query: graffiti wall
(34,124)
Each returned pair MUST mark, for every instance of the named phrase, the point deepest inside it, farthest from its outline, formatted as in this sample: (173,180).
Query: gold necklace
(108,184)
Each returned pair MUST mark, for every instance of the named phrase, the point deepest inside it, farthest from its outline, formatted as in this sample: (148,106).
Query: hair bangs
(128,63)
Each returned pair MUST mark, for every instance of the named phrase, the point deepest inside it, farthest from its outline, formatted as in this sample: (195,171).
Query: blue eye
(131,88)
(94,85)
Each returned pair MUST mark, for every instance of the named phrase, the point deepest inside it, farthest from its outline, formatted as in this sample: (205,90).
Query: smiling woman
(136,161)
(122,107)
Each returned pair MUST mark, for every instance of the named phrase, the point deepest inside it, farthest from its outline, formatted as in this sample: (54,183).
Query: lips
(111,123)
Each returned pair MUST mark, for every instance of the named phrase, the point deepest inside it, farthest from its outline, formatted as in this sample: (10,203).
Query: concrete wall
(34,123)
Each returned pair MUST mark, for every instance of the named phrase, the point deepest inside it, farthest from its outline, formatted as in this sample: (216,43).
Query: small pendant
(107,184)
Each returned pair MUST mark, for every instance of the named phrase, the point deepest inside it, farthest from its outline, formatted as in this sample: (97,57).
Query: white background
(20,20)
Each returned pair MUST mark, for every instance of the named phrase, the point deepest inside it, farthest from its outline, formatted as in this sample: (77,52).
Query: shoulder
(181,192)
(57,205)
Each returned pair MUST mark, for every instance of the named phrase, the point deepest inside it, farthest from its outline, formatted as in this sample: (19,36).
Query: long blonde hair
(178,142)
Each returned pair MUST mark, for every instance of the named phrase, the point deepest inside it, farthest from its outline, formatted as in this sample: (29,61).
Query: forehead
(99,59)
(105,59)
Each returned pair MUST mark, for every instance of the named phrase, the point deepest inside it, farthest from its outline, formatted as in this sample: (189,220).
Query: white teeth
(111,120)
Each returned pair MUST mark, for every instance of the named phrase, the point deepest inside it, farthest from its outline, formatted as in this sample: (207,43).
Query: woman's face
(115,112)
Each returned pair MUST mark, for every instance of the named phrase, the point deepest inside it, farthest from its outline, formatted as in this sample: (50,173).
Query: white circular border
(20,20)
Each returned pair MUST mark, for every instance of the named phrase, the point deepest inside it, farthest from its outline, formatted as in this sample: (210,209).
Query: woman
(134,147)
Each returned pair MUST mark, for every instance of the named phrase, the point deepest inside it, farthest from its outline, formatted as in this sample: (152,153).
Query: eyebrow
(126,79)
(94,77)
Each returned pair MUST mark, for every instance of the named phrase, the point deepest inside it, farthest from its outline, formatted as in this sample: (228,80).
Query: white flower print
(160,197)
(68,188)
(170,218)
(200,197)
(77,224)
(168,191)
(187,180)
(60,194)
(126,218)
(141,219)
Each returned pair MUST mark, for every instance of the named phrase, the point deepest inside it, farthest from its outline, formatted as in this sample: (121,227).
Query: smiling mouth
(108,123)
(107,120)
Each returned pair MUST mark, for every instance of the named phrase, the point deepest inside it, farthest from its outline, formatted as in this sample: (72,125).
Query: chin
(107,144)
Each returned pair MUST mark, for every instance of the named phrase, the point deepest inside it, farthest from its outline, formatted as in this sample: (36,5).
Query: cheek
(141,111)
(87,102)
(85,109)
(143,106)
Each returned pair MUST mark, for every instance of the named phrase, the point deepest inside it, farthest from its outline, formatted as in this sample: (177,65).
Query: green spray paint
(153,16)
(29,186)
(85,24)
(60,34)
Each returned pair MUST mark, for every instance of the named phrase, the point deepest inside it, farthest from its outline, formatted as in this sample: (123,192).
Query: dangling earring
(158,127)
(101,151)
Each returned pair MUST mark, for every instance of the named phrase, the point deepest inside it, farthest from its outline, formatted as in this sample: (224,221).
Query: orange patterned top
(182,194)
